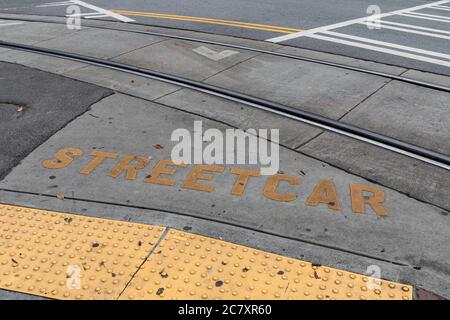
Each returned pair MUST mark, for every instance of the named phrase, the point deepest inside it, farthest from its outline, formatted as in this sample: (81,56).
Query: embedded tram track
(256,50)
(331,125)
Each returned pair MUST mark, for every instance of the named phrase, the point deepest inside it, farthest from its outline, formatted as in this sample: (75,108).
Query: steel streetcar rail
(357,133)
(274,53)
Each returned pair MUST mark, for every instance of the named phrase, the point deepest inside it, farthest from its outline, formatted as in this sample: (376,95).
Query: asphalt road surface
(412,33)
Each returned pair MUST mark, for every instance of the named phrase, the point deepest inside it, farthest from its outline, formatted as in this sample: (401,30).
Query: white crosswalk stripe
(411,31)
(383,50)
(441,8)
(430,15)
(411,26)
(439,58)
(388,44)
(422,17)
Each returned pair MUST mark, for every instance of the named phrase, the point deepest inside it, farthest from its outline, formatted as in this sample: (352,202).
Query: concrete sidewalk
(95,110)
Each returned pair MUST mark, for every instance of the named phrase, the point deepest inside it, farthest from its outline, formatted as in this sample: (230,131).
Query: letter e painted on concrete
(197,174)
(162,168)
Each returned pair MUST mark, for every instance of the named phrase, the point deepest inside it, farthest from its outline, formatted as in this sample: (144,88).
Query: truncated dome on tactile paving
(189,266)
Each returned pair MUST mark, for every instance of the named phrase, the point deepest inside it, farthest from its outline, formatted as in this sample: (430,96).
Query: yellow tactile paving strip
(43,252)
(189,266)
(67,256)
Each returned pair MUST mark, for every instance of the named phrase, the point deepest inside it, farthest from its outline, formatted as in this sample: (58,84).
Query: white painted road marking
(324,33)
(429,34)
(444,8)
(89,15)
(214,55)
(410,15)
(413,26)
(99,12)
(387,44)
(353,21)
(103,11)
(384,50)
(430,15)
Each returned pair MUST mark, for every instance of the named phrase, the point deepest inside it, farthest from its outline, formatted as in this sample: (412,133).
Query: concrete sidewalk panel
(412,233)
(100,43)
(419,278)
(242,236)
(428,77)
(33,32)
(409,113)
(120,81)
(18,16)
(178,57)
(320,89)
(40,61)
(292,133)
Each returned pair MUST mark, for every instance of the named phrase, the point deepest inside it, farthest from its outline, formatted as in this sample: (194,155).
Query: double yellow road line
(231,23)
